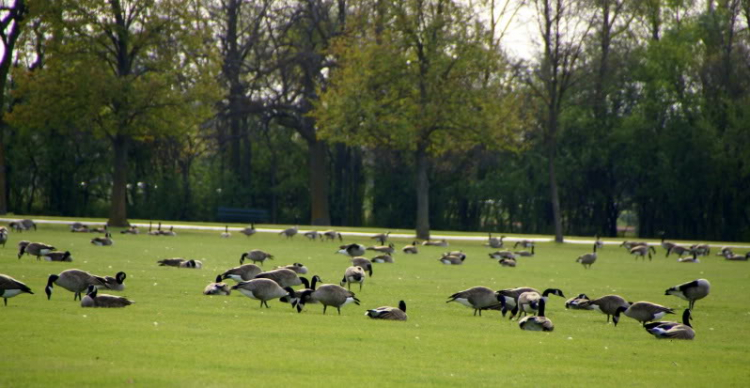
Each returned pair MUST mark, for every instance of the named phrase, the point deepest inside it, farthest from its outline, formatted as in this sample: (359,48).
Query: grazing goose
(58,256)
(242,273)
(628,245)
(22,225)
(249,231)
(75,281)
(387,249)
(297,294)
(525,253)
(352,250)
(196,264)
(226,233)
(94,299)
(381,237)
(537,323)
(296,267)
(667,245)
(690,291)
(289,232)
(34,249)
(263,290)
(642,312)
(495,242)
(411,249)
(332,235)
(175,262)
(733,257)
(642,251)
(10,287)
(389,313)
(256,256)
(284,277)
(312,235)
(672,330)
(502,255)
(511,295)
(328,295)
(587,259)
(382,259)
(524,244)
(679,250)
(435,243)
(607,305)
(103,241)
(478,298)
(131,230)
(580,302)
(3,235)
(507,262)
(353,275)
(217,288)
(529,301)
(450,259)
(364,263)
(700,249)
(116,283)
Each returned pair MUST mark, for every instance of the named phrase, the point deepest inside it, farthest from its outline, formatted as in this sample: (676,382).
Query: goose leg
(339,310)
(324,308)
(6,301)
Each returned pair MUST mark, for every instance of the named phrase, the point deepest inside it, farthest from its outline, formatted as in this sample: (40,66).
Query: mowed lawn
(175,336)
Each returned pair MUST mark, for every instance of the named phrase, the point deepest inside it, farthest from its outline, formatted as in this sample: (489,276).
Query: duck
(328,295)
(352,250)
(256,256)
(672,330)
(75,281)
(103,241)
(10,287)
(94,299)
(353,275)
(389,313)
(538,322)
(587,259)
(58,256)
(263,290)
(642,312)
(242,273)
(478,298)
(691,291)
(217,288)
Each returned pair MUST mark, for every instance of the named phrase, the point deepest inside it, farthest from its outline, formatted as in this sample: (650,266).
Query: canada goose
(667,245)
(226,233)
(537,323)
(249,231)
(693,259)
(58,256)
(411,249)
(587,259)
(529,301)
(628,245)
(73,280)
(495,242)
(78,227)
(175,262)
(478,298)
(328,295)
(381,237)
(364,263)
(524,244)
(35,249)
(734,257)
(387,249)
(511,295)
(217,288)
(289,232)
(332,235)
(598,242)
(284,277)
(607,304)
(10,287)
(99,230)
(242,273)
(353,275)
(103,241)
(22,247)
(116,283)
(131,230)
(507,262)
(352,250)
(22,225)
(435,243)
(700,249)
(256,256)
(196,264)
(170,232)
(3,235)
(502,255)
(298,293)
(389,313)
(690,291)
(580,302)
(156,232)
(312,235)
(525,253)
(642,250)
(679,250)
(263,290)
(642,312)
(672,330)
(451,259)
(296,267)
(94,299)
(382,259)
(724,251)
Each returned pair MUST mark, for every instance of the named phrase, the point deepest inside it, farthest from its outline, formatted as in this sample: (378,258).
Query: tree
(414,77)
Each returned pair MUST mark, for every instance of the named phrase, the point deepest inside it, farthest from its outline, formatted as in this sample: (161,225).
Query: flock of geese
(278,283)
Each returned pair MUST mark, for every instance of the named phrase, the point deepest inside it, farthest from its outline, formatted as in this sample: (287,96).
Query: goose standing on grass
(642,312)
(284,277)
(312,235)
(389,313)
(75,281)
(332,235)
(249,231)
(289,232)
(328,295)
(3,235)
(642,251)
(607,305)
(22,225)
(58,256)
(381,237)
(510,296)
(10,287)
(538,322)
(700,249)
(679,250)
(667,245)
(35,249)
(256,256)
(598,242)
(364,263)
(217,288)
(103,241)
(529,301)
(353,275)
(411,249)
(263,290)
(226,233)
(116,283)
(525,253)
(672,330)
(495,242)
(242,273)
(690,291)
(387,249)
(524,244)
(478,298)
(352,250)
(297,294)
(94,299)
(587,259)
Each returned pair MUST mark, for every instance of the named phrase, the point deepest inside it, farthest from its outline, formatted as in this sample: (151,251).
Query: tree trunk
(118,208)
(423,195)
(318,164)
(551,156)
(3,197)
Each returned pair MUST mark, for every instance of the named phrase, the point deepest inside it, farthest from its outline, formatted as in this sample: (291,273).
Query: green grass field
(175,336)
